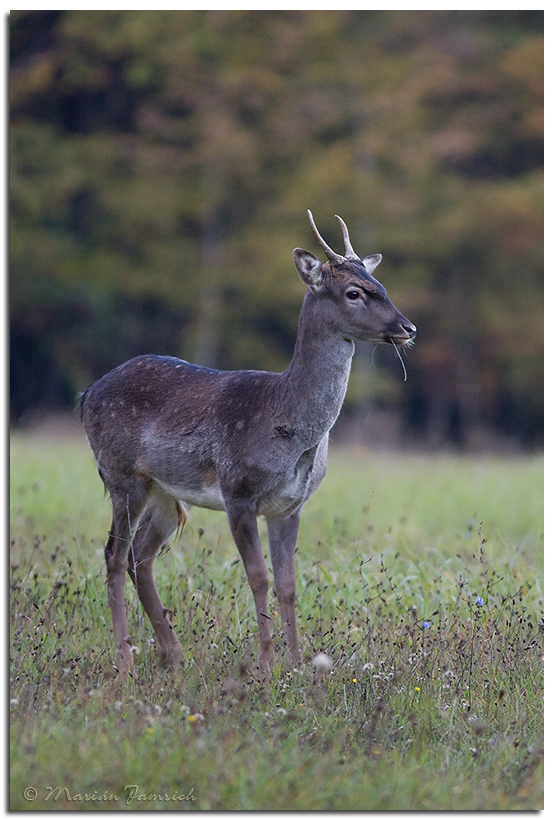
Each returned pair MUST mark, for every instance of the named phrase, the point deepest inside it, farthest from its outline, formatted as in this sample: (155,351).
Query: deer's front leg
(282,543)
(242,520)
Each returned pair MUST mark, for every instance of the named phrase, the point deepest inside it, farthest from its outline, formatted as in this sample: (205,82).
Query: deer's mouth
(400,341)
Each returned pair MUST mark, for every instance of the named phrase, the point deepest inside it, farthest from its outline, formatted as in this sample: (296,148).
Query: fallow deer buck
(167,434)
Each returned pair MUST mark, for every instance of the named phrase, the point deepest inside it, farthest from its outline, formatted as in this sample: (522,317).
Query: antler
(350,252)
(331,255)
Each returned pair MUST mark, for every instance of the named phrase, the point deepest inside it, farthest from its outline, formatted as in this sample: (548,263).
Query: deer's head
(356,304)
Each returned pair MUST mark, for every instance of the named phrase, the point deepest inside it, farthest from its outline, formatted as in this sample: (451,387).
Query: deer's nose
(410,329)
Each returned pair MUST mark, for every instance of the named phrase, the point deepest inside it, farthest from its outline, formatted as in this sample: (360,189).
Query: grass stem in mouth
(401,359)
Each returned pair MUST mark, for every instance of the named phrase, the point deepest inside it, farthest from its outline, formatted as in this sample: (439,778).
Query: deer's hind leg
(161,518)
(127,510)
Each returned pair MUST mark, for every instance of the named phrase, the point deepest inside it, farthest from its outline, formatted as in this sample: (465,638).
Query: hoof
(123,663)
(172,658)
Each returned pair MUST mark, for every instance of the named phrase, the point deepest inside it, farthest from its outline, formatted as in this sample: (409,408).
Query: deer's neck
(317,377)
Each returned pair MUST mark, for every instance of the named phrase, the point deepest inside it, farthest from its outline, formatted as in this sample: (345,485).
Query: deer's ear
(371,262)
(308,267)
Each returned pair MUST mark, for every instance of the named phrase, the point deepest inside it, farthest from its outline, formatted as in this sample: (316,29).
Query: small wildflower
(417,689)
(426,625)
(353,680)
(479,601)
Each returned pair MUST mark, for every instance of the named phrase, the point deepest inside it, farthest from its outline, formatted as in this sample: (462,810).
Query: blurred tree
(162,163)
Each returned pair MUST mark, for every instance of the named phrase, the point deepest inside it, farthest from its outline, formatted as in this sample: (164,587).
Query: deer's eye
(353,295)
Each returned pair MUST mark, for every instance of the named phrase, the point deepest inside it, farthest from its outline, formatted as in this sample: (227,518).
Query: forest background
(161,167)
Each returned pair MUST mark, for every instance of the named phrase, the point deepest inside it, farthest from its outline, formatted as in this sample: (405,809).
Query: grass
(419,579)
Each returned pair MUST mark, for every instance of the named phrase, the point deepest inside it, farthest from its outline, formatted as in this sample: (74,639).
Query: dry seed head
(323,662)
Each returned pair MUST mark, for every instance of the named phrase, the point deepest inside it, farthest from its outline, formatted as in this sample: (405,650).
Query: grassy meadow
(420,597)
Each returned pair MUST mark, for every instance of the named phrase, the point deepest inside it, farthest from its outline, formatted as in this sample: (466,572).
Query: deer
(167,435)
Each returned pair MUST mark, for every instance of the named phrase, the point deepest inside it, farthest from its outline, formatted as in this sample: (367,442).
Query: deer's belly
(208,495)
(273,494)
